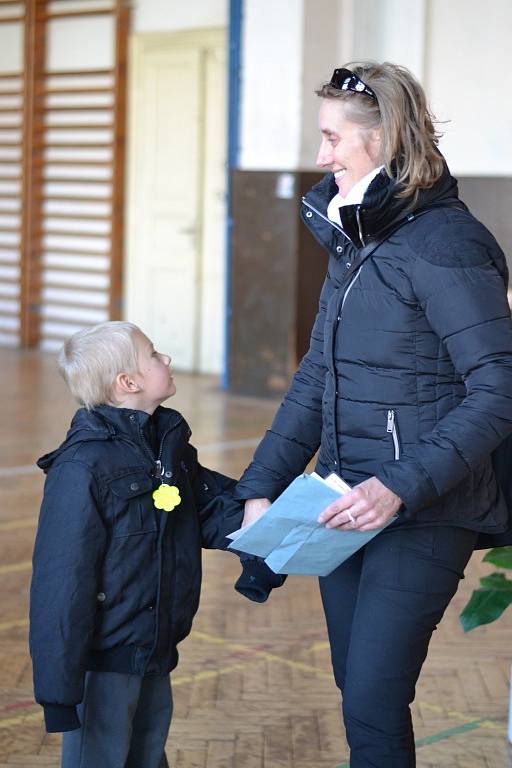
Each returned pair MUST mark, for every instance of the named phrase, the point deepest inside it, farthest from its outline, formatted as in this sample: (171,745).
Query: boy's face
(154,377)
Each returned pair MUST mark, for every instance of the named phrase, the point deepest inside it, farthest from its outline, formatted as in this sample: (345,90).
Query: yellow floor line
(211,674)
(8,722)
(453,713)
(207,674)
(262,654)
(321,646)
(488,724)
(16,567)
(11,525)
(4,626)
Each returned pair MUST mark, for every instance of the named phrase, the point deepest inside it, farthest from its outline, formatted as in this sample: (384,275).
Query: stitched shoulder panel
(453,239)
(103,459)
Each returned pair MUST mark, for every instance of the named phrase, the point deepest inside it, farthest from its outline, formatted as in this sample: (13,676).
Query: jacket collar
(379,210)
(106,422)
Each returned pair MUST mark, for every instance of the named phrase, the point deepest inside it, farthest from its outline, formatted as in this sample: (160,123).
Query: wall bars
(62,131)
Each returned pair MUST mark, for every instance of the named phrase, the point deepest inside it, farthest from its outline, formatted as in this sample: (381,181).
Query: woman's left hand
(367,506)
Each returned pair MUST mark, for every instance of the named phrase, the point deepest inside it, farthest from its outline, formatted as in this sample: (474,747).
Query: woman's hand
(254,509)
(367,506)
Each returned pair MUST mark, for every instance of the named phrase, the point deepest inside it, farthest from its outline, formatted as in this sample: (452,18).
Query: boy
(117,558)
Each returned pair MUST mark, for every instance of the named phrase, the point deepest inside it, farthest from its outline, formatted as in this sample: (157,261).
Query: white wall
(391,30)
(458,50)
(319,44)
(469,80)
(168,15)
(272,71)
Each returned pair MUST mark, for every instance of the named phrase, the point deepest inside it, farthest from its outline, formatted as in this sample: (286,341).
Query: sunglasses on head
(345,80)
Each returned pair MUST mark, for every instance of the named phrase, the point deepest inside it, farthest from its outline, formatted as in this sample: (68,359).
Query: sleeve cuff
(60,717)
(411,483)
(257,580)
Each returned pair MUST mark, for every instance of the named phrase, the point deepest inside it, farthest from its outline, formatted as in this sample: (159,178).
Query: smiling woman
(403,392)
(348,150)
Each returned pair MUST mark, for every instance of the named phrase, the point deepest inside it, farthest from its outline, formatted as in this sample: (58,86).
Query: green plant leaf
(485,605)
(501,556)
(496,581)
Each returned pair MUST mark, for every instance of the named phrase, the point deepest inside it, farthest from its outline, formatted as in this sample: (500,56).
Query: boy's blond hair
(91,359)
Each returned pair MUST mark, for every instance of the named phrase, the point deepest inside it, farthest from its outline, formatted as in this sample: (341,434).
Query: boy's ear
(126,383)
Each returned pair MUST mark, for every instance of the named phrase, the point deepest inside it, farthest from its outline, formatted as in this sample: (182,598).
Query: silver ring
(350,516)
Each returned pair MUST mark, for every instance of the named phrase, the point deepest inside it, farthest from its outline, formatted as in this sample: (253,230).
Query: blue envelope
(289,537)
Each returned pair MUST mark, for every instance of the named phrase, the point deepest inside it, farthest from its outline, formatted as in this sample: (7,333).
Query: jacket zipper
(146,449)
(158,461)
(158,474)
(332,223)
(391,429)
(349,287)
(360,226)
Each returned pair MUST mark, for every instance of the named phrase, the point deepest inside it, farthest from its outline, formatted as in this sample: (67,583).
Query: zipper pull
(391,421)
(359,225)
(158,470)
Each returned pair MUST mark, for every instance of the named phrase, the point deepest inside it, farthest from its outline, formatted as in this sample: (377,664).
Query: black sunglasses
(345,80)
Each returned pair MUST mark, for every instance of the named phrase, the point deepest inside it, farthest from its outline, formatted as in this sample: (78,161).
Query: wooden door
(176,182)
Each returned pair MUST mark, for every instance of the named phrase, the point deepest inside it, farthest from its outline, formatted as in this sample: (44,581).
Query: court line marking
(258,654)
(441,736)
(4,626)
(225,445)
(27,469)
(8,722)
(207,674)
(264,655)
(26,565)
(11,525)
(438,709)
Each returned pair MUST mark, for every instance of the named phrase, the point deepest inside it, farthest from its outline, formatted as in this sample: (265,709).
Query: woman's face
(347,149)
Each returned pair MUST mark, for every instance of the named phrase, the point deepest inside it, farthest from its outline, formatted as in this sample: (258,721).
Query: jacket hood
(105,422)
(380,208)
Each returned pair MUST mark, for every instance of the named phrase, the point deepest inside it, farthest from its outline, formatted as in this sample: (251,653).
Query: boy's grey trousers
(125,721)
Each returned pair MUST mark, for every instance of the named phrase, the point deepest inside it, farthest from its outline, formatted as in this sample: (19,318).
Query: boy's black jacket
(116,582)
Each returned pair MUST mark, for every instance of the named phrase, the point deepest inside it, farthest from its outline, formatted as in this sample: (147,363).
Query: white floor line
(228,445)
(29,469)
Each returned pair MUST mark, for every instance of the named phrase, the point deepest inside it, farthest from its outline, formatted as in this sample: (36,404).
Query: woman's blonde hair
(408,136)
(91,359)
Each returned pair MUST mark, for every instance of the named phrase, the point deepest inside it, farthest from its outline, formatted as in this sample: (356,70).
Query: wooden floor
(254,685)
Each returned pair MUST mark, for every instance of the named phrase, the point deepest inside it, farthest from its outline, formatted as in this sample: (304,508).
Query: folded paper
(289,537)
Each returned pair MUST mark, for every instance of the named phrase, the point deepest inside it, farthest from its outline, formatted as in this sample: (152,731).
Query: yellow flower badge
(166,497)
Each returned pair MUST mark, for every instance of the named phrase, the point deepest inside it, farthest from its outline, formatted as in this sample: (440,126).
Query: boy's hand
(254,509)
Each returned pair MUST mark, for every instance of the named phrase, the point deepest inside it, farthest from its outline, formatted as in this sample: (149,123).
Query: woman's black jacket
(409,372)
(116,582)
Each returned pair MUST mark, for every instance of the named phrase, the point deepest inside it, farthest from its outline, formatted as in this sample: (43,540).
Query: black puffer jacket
(116,582)
(409,372)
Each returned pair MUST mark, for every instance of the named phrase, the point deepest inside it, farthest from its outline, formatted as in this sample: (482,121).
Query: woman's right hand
(254,509)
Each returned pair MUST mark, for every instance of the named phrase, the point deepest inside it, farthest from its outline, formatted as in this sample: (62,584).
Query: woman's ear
(126,384)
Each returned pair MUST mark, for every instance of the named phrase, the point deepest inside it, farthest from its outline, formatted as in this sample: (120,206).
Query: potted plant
(488,602)
(494,594)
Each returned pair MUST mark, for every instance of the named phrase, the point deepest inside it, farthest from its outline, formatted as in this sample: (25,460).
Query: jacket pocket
(392,429)
(134,512)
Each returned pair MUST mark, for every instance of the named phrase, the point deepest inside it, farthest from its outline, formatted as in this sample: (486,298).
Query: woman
(406,390)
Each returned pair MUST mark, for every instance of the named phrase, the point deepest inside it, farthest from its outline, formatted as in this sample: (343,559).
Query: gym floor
(254,687)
